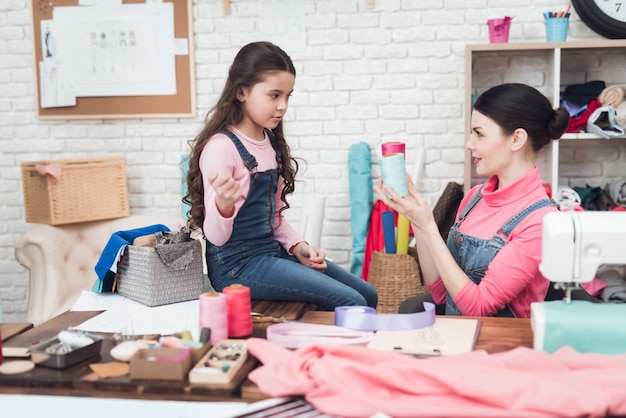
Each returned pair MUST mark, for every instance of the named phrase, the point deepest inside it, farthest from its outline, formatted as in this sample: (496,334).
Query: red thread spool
(393,148)
(214,315)
(239,310)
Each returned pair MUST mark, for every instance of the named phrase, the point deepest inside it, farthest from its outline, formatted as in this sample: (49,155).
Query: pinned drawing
(48,39)
(118,51)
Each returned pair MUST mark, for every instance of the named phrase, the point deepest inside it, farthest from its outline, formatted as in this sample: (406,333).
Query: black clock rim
(599,22)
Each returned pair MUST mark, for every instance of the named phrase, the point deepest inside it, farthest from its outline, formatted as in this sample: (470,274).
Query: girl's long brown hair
(251,65)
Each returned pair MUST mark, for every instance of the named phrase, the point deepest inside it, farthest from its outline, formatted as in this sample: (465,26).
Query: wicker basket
(87,190)
(143,277)
(396,277)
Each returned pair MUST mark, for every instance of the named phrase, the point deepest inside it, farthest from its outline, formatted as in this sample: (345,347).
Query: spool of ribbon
(393,148)
(365,318)
(213,315)
(300,334)
(390,148)
(239,306)
(393,171)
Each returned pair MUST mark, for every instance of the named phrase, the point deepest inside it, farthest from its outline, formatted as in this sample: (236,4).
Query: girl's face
(265,103)
(490,148)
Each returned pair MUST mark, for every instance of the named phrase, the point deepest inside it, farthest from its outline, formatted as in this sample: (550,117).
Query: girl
(490,266)
(240,174)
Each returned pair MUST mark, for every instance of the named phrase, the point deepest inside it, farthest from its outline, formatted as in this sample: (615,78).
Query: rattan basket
(143,277)
(87,190)
(396,277)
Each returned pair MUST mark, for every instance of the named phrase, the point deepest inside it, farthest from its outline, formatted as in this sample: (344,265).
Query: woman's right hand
(227,192)
(413,206)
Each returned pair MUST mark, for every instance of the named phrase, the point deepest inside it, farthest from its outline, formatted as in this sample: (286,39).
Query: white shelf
(553,66)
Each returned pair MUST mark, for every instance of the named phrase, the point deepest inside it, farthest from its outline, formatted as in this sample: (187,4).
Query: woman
(490,263)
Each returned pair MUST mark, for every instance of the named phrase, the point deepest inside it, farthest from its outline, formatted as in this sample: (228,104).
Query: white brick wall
(392,73)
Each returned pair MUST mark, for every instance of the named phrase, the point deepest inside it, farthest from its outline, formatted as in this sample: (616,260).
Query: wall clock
(605,17)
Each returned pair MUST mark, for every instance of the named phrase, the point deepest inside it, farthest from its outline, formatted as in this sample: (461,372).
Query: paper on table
(23,406)
(127,316)
(447,336)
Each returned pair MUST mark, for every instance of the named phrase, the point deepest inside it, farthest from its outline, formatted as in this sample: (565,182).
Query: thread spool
(239,308)
(393,171)
(214,315)
(393,148)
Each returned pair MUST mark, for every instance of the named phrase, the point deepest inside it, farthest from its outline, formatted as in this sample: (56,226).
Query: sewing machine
(574,245)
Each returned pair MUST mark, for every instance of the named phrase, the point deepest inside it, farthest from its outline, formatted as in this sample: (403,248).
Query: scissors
(258,318)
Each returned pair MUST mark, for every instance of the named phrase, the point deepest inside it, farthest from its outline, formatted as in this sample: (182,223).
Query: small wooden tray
(220,365)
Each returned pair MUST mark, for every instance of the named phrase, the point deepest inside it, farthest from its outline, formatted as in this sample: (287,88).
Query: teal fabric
(585,326)
(361,200)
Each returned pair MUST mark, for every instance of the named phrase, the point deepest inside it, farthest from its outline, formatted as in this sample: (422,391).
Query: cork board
(180,104)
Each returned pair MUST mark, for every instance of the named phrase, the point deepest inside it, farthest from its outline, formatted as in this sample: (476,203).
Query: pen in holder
(556,25)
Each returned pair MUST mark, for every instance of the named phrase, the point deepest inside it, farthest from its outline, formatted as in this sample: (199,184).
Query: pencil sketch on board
(124,50)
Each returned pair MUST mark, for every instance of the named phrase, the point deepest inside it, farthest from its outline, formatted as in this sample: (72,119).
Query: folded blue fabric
(106,267)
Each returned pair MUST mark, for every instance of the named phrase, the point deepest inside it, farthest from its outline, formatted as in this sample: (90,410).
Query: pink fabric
(220,155)
(513,276)
(51,170)
(594,287)
(353,381)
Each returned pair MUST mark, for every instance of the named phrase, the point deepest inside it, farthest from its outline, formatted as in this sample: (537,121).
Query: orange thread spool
(213,315)
(239,310)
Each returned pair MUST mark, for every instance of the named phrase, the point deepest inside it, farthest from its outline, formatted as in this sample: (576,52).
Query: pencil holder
(556,29)
(499,30)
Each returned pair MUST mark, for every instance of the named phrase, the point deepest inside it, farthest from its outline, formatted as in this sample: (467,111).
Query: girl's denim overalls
(253,258)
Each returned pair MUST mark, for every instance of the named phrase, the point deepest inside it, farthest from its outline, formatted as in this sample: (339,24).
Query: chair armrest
(62,259)
(42,251)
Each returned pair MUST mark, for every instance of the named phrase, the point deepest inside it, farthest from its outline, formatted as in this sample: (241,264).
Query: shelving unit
(547,66)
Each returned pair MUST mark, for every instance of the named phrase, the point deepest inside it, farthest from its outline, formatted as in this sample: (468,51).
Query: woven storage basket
(87,190)
(143,277)
(396,277)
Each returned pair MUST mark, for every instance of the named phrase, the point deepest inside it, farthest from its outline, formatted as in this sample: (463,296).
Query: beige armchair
(61,259)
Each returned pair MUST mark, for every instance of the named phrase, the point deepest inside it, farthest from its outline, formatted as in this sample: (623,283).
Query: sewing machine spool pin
(567,287)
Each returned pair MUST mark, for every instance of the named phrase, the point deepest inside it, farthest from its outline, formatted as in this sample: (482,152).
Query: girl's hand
(227,192)
(413,206)
(310,256)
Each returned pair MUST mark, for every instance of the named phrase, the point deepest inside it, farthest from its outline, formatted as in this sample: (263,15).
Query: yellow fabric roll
(402,244)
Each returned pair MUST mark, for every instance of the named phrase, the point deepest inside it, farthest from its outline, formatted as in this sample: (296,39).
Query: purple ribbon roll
(365,318)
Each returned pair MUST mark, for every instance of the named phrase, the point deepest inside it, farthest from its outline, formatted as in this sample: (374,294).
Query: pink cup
(499,30)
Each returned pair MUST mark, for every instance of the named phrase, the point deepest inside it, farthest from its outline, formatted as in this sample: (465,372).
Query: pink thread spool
(239,307)
(214,315)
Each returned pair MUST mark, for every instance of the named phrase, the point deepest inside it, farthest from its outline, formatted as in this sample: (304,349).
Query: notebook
(446,337)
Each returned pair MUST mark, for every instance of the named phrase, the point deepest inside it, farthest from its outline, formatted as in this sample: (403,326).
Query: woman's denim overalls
(473,254)
(253,258)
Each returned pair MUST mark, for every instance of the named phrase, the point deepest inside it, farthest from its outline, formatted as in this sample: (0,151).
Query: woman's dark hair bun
(559,123)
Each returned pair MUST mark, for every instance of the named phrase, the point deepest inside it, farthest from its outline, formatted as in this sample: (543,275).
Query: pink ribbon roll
(300,334)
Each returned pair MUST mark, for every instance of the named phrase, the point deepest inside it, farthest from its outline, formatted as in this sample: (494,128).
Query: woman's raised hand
(413,206)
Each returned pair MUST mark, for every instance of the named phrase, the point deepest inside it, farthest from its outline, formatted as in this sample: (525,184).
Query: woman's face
(490,148)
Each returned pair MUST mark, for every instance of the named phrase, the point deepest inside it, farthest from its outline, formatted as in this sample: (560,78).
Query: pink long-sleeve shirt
(221,156)
(513,276)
